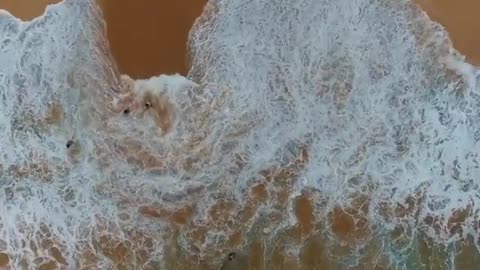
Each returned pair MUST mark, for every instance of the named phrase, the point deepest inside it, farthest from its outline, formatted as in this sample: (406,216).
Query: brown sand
(147,37)
(460,18)
(26,9)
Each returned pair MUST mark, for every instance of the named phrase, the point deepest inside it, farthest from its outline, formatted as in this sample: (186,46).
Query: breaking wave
(360,106)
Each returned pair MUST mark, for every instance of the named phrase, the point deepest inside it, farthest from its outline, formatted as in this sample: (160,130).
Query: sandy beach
(148,37)
(460,18)
(26,9)
(160,46)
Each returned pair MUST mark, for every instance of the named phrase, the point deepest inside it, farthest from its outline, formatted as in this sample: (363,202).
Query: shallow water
(321,135)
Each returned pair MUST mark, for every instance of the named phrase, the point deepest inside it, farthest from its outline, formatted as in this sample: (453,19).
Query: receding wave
(307,133)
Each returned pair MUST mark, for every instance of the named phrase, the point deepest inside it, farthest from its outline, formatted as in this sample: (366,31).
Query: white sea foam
(359,82)
(388,106)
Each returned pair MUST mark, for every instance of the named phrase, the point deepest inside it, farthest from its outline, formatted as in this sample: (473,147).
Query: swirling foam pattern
(337,134)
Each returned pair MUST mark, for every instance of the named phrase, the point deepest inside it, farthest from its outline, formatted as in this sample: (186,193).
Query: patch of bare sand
(460,18)
(26,9)
(149,37)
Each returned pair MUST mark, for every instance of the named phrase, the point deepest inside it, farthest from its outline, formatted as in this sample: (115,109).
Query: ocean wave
(361,111)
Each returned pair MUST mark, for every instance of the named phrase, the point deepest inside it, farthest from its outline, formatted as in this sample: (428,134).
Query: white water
(361,82)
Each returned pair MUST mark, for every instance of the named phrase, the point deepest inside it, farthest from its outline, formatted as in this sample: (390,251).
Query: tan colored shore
(460,18)
(147,37)
(26,9)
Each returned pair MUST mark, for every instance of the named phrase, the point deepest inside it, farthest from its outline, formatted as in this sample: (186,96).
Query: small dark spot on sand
(126,111)
(148,104)
(231,256)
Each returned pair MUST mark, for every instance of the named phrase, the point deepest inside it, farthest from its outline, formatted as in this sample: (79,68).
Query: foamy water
(340,102)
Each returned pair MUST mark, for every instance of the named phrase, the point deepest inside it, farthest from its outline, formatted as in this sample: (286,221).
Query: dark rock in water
(236,260)
(69,143)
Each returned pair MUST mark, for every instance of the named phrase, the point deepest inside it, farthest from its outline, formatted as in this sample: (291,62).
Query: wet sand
(149,37)
(26,9)
(461,20)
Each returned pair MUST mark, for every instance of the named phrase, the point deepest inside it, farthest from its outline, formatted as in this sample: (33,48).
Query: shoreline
(293,215)
(146,38)
(460,20)
(155,56)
